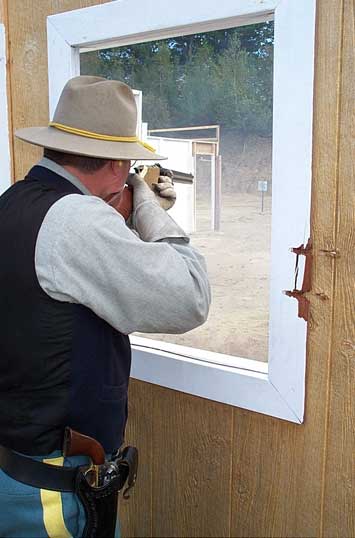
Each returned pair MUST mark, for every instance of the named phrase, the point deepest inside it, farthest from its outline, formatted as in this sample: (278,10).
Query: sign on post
(262,187)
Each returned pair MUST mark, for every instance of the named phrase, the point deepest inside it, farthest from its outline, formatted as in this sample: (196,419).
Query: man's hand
(165,191)
(148,217)
(141,191)
(122,202)
(160,180)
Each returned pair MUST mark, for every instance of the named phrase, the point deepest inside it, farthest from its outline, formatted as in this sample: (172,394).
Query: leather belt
(38,474)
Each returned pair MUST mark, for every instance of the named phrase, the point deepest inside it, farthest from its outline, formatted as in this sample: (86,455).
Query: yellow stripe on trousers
(53,518)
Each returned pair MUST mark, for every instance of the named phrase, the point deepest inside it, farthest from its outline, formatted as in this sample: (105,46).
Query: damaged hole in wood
(303,302)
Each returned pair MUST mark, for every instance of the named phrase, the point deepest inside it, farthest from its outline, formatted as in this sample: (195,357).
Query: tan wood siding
(136,514)
(4,20)
(29,77)
(2,11)
(339,476)
(278,467)
(212,470)
(191,465)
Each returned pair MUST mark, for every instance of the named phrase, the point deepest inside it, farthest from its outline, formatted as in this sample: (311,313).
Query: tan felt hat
(95,117)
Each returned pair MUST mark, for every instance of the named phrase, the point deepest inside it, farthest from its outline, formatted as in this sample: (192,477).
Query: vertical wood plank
(339,491)
(278,468)
(191,466)
(136,513)
(4,20)
(29,73)
(265,478)
(2,11)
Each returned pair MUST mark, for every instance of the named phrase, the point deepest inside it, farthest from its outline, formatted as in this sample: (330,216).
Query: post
(194,188)
(262,187)
(213,192)
(218,193)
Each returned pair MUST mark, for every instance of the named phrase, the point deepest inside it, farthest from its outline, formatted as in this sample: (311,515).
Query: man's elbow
(203,308)
(198,311)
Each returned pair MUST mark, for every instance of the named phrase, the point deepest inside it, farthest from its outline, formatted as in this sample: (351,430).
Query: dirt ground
(238,259)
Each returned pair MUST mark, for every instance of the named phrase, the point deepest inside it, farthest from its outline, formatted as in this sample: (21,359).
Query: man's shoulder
(82,203)
(77,212)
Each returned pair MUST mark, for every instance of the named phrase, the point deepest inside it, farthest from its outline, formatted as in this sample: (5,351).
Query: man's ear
(120,168)
(116,167)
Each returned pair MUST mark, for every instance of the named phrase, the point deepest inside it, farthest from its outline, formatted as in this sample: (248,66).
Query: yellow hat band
(99,136)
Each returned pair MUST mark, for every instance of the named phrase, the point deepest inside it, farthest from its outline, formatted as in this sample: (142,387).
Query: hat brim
(51,138)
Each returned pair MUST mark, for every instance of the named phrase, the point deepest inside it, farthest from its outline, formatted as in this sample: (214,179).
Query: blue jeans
(28,512)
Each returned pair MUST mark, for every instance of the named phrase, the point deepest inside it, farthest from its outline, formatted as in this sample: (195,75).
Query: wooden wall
(208,469)
(2,12)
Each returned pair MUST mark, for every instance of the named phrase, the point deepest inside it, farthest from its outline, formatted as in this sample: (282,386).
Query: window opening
(207,105)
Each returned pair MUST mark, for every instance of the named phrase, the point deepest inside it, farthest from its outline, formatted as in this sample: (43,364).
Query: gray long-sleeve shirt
(86,254)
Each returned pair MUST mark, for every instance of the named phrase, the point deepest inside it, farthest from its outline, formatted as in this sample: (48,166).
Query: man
(75,280)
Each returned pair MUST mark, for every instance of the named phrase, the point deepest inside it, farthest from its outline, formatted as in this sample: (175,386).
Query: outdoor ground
(238,264)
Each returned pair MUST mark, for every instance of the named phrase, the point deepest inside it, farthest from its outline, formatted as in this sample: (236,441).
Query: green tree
(234,98)
(195,99)
(213,77)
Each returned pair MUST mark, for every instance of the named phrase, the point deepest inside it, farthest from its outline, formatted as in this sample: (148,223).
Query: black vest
(60,364)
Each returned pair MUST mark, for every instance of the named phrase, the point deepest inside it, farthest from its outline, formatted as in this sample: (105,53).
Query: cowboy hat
(94,117)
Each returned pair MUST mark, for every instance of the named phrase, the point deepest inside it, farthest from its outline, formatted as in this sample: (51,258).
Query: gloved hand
(142,193)
(148,218)
(165,192)
(160,180)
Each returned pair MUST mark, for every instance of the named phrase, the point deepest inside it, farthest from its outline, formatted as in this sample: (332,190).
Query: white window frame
(278,387)
(5,160)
